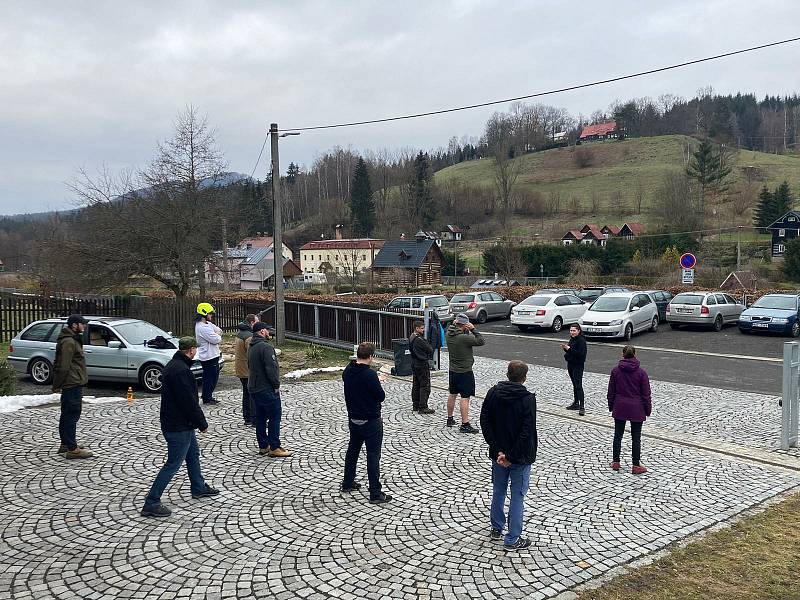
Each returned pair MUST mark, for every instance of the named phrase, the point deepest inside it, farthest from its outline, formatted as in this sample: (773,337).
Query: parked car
(620,314)
(551,310)
(710,309)
(572,291)
(481,306)
(778,313)
(662,299)
(418,304)
(116,348)
(590,294)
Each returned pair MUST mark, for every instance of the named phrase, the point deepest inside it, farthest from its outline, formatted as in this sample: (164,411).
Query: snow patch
(14,403)
(303,372)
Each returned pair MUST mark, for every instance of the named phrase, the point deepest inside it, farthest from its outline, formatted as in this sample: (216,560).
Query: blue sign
(688,260)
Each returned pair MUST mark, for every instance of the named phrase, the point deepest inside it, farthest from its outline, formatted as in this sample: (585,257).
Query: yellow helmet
(204,308)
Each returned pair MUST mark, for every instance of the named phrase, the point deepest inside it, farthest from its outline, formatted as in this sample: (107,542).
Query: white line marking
(651,348)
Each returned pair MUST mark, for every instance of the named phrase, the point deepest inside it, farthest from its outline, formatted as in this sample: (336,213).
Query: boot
(581,412)
(426,411)
(574,406)
(78,453)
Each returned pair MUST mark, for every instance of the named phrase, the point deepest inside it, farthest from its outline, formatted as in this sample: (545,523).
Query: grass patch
(758,557)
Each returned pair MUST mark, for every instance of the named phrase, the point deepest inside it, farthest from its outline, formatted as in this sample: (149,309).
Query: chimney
(338,232)
(420,236)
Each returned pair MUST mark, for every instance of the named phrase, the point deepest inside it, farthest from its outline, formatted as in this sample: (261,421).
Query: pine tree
(710,169)
(362,205)
(783,201)
(420,194)
(762,216)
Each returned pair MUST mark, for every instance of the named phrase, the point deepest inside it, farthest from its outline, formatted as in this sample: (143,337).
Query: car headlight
(744,317)
(780,320)
(616,322)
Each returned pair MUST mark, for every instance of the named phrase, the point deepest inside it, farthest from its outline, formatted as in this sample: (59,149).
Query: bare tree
(499,138)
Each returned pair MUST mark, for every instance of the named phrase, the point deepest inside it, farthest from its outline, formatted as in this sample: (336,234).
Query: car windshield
(609,304)
(688,299)
(139,332)
(462,298)
(777,302)
(535,301)
(437,301)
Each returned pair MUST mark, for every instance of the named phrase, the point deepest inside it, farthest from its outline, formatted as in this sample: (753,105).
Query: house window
(781,233)
(792,219)
(363,257)
(567,242)
(781,248)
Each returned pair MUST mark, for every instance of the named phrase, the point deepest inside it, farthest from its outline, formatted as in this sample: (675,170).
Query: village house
(257,271)
(631,231)
(409,262)
(250,253)
(573,236)
(784,229)
(599,236)
(342,256)
(601,131)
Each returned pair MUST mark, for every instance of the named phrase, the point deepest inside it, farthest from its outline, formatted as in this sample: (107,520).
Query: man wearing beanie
(180,416)
(461,339)
(69,377)
(263,384)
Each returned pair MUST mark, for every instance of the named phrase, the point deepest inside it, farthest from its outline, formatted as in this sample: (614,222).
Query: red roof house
(601,131)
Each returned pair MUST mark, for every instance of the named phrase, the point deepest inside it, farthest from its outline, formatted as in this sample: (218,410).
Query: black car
(661,298)
(590,294)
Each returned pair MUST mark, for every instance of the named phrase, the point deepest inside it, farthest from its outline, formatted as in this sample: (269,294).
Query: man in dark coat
(264,383)
(363,395)
(508,422)
(180,416)
(575,355)
(421,354)
(69,377)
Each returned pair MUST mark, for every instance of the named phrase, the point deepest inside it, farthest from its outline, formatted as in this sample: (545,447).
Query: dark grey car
(481,306)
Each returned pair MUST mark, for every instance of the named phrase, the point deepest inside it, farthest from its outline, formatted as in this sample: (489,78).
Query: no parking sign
(688,260)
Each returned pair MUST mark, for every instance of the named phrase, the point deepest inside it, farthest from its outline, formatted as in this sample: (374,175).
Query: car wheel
(628,332)
(558,324)
(41,371)
(795,331)
(481,317)
(674,325)
(523,327)
(654,325)
(718,323)
(150,377)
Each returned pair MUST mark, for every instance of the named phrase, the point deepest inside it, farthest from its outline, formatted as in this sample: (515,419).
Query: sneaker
(638,469)
(382,499)
(467,428)
(426,411)
(573,406)
(615,466)
(212,402)
(209,491)
(78,453)
(496,534)
(520,544)
(63,448)
(159,510)
(280,453)
(264,451)
(451,422)
(350,488)
(581,412)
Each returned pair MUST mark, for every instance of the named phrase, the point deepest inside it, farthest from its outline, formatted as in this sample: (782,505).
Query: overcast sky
(85,84)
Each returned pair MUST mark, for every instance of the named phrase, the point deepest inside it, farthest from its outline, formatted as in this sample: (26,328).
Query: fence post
(358,327)
(316,320)
(336,314)
(791,398)
(380,331)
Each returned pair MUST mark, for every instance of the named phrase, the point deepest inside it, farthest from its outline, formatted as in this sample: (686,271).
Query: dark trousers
(636,440)
(576,376)
(420,385)
(248,408)
(371,435)
(210,378)
(181,446)
(268,413)
(71,404)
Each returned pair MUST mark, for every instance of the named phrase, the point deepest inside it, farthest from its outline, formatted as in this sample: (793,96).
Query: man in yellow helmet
(209,337)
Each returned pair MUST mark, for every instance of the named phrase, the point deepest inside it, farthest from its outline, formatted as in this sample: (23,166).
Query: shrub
(315,292)
(314,353)
(8,379)
(583,157)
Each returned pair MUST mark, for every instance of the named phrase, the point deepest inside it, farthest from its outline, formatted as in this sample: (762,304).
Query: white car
(418,304)
(620,314)
(548,310)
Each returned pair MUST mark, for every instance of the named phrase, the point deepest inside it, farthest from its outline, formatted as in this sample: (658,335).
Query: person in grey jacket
(263,385)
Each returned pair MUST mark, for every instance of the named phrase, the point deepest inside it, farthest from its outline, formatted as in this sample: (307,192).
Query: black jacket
(262,361)
(180,407)
(508,422)
(576,355)
(421,350)
(363,392)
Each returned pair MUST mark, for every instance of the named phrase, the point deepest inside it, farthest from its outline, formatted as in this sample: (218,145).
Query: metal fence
(790,400)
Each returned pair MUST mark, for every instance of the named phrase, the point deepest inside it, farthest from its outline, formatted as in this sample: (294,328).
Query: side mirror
(634,308)
(115,344)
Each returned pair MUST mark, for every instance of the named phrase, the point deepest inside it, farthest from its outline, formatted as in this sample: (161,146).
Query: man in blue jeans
(508,422)
(263,384)
(180,416)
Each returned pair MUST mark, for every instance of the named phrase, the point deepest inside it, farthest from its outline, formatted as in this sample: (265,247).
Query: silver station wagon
(116,348)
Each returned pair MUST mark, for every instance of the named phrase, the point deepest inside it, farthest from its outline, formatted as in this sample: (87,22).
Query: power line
(549,92)
(258,160)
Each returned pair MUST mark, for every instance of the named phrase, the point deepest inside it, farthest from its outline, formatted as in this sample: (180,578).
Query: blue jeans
(520,477)
(71,403)
(268,411)
(210,378)
(181,446)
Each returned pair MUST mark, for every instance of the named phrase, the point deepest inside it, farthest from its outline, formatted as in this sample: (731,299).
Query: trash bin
(402,357)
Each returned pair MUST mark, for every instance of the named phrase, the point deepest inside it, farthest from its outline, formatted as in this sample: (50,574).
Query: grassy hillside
(618,170)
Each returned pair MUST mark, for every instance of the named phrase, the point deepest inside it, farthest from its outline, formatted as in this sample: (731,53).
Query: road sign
(688,276)
(688,260)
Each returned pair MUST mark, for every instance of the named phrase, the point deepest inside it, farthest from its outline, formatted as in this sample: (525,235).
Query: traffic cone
(130,395)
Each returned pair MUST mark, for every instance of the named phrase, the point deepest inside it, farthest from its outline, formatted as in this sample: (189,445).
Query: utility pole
(226,276)
(738,247)
(455,260)
(277,238)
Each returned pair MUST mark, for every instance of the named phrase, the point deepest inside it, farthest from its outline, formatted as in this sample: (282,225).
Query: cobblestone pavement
(742,418)
(281,529)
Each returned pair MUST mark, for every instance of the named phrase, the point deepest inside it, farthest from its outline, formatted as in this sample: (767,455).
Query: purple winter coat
(629,392)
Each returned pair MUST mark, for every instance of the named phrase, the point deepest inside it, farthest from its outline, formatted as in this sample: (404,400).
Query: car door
(37,341)
(725,309)
(562,308)
(488,304)
(106,354)
(577,308)
(713,309)
(501,305)
(642,317)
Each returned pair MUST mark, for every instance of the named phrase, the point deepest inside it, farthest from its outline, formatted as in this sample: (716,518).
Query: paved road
(727,360)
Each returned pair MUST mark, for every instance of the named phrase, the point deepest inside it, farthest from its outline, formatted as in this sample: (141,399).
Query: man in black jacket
(508,422)
(421,354)
(180,416)
(263,384)
(363,396)
(575,355)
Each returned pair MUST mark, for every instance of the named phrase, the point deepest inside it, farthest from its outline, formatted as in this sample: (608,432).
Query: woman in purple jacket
(629,400)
